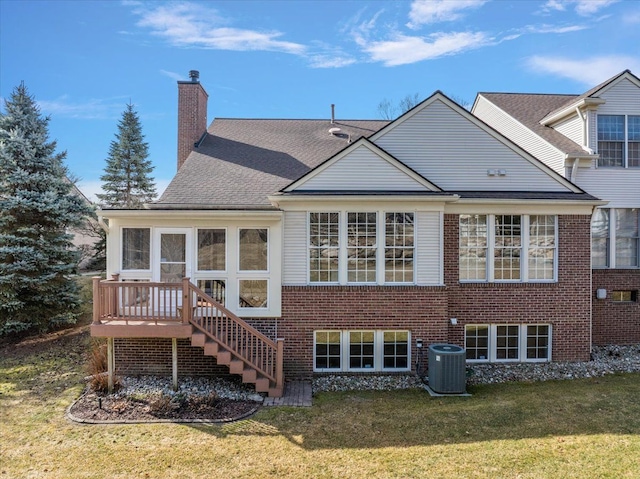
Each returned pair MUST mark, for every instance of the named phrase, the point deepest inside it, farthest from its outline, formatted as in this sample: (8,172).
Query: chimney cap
(194,75)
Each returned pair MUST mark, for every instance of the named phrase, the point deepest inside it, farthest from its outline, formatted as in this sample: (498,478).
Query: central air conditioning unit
(447,369)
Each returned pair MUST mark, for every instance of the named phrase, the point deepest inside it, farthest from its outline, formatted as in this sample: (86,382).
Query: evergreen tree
(37,207)
(126,179)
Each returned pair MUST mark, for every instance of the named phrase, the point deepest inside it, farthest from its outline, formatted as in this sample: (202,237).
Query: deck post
(174,365)
(110,364)
(96,299)
(279,362)
(186,301)
(114,295)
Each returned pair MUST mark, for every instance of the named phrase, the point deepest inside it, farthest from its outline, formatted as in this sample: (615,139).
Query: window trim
(525,236)
(238,255)
(378,351)
(611,241)
(226,250)
(380,246)
(522,343)
(625,142)
(151,246)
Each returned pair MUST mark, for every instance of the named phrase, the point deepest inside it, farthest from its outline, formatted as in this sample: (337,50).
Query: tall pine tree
(37,208)
(126,180)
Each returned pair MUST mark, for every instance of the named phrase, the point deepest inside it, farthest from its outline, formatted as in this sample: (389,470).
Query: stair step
(236,366)
(224,357)
(249,375)
(211,348)
(262,385)
(198,339)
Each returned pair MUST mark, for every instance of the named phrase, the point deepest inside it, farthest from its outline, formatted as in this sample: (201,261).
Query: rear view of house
(594,140)
(300,247)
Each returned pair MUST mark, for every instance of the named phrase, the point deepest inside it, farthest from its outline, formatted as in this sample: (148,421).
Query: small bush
(97,367)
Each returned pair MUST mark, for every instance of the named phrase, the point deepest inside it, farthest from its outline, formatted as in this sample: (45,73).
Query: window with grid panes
(542,247)
(399,249)
(473,247)
(361,247)
(324,247)
(396,350)
(627,244)
(507,342)
(507,247)
(538,341)
(619,140)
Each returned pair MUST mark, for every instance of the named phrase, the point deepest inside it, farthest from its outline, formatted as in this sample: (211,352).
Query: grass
(582,428)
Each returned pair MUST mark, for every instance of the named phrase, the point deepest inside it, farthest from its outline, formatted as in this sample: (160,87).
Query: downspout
(574,169)
(102,224)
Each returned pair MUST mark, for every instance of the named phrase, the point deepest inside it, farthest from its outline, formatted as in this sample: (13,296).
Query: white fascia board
(585,103)
(361,202)
(150,214)
(534,207)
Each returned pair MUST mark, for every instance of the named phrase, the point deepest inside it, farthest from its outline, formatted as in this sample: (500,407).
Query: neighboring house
(594,140)
(343,246)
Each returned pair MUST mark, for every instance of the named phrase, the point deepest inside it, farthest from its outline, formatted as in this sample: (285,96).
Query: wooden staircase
(234,343)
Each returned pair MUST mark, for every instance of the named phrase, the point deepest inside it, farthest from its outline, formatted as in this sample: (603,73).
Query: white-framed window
(211,249)
(399,248)
(373,247)
(619,141)
(136,248)
(508,342)
(615,238)
(253,293)
(253,249)
(508,248)
(215,288)
(324,247)
(361,351)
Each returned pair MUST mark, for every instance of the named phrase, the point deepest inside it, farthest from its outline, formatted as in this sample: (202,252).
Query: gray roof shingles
(242,161)
(530,108)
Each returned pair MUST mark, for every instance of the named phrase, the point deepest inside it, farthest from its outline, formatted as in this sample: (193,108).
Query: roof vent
(334,131)
(194,75)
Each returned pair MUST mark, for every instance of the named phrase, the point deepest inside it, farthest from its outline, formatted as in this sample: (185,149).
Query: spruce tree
(126,180)
(37,208)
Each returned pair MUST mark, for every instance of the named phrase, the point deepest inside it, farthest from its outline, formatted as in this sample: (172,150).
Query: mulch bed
(96,408)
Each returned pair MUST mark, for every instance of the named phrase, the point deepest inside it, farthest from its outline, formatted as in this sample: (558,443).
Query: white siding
(294,259)
(520,134)
(623,98)
(454,153)
(619,186)
(429,248)
(362,170)
(572,129)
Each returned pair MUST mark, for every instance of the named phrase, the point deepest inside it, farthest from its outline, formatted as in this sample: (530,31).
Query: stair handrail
(270,369)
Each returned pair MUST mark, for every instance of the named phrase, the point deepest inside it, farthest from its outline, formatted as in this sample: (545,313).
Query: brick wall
(613,322)
(192,117)
(153,356)
(425,311)
(565,304)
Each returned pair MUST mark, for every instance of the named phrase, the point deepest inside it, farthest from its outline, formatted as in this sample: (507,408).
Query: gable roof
(388,162)
(530,108)
(264,154)
(592,93)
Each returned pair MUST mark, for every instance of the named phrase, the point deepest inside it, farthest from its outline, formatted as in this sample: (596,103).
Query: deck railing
(157,303)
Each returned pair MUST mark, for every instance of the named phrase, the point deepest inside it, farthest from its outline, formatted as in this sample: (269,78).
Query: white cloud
(544,28)
(404,49)
(432,11)
(588,71)
(330,61)
(582,7)
(92,109)
(173,75)
(632,18)
(194,25)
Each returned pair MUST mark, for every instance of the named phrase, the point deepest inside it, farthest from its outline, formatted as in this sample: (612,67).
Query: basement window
(624,296)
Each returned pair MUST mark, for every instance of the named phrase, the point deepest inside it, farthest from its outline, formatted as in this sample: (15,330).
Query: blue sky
(85,60)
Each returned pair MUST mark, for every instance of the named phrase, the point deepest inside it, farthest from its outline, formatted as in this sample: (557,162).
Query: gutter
(103,224)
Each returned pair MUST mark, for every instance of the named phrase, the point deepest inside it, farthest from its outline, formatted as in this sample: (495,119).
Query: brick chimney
(192,115)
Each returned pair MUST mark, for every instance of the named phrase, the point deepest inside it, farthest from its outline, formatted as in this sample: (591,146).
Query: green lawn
(584,428)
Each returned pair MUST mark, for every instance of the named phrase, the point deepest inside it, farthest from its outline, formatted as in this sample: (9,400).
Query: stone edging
(205,422)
